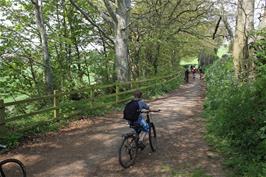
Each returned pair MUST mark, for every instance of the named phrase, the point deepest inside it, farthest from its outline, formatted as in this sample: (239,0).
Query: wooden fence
(119,91)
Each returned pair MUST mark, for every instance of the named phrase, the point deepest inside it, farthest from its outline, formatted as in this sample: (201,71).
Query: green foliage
(260,46)
(236,118)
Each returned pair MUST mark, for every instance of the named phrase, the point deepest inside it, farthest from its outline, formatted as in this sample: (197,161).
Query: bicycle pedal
(141,146)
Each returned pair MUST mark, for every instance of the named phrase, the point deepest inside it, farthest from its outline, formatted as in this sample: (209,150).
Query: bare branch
(110,10)
(216,27)
(87,17)
(93,5)
(184,12)
(108,19)
(174,9)
(228,28)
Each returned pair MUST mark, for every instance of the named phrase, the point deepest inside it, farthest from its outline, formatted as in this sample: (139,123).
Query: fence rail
(118,89)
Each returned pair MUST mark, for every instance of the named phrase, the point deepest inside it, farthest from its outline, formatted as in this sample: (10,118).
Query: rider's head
(138,94)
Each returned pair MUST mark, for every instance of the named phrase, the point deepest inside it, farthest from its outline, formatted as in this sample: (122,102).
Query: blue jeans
(144,125)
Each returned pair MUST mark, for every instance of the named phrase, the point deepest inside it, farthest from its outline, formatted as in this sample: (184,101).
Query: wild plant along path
(89,147)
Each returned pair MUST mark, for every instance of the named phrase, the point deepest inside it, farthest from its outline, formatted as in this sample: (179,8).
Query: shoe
(141,145)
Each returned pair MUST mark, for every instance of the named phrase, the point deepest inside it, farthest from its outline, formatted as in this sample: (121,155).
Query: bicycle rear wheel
(152,137)
(128,151)
(12,167)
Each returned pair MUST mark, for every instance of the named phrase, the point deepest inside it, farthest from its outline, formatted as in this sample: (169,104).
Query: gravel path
(89,147)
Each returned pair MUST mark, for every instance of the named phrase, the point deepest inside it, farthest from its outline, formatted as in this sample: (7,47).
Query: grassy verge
(197,172)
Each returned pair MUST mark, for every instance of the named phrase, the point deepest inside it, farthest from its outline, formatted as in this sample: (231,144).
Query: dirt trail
(90,147)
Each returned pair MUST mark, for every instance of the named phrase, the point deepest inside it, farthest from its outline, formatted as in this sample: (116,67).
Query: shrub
(236,115)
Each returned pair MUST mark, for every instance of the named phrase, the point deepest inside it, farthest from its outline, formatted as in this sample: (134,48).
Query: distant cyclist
(186,75)
(201,72)
(193,72)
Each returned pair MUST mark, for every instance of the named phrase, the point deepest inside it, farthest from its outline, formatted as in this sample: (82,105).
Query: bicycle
(130,142)
(9,163)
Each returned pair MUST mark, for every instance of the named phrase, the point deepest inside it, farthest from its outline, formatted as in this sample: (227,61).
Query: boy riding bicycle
(134,140)
(132,113)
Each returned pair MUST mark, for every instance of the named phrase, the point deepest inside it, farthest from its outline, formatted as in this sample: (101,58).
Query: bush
(236,115)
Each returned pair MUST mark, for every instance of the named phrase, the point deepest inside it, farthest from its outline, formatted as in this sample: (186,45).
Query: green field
(189,61)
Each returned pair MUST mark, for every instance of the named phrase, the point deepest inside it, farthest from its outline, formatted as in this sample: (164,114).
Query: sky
(259,10)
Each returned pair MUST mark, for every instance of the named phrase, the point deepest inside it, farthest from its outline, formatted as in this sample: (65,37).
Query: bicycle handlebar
(148,111)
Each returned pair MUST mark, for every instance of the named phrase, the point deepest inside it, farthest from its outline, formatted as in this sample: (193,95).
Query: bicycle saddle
(134,125)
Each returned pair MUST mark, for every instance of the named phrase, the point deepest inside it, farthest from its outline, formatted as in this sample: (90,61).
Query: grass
(198,172)
(19,97)
(194,173)
(189,61)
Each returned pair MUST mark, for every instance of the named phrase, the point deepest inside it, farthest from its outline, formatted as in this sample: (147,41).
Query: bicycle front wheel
(152,137)
(12,167)
(128,151)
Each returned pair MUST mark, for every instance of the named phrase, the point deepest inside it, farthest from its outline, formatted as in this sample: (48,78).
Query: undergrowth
(236,114)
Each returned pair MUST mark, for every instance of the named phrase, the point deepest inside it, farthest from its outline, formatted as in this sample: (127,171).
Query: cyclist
(194,72)
(201,72)
(186,75)
(140,119)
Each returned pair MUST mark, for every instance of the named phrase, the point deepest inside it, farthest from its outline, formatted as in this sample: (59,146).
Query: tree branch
(216,27)
(87,17)
(228,28)
(108,19)
(174,9)
(110,10)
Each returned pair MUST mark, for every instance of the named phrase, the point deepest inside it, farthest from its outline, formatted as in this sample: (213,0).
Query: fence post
(134,84)
(56,105)
(91,96)
(116,92)
(131,84)
(2,114)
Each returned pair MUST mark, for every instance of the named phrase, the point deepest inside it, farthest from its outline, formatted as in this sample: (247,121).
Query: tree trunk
(244,25)
(76,44)
(67,54)
(37,86)
(121,41)
(228,28)
(106,58)
(156,58)
(119,19)
(137,60)
(44,42)
(59,49)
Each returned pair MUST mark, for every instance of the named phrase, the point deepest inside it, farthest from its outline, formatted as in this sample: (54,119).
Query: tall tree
(44,42)
(118,16)
(120,19)
(244,25)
